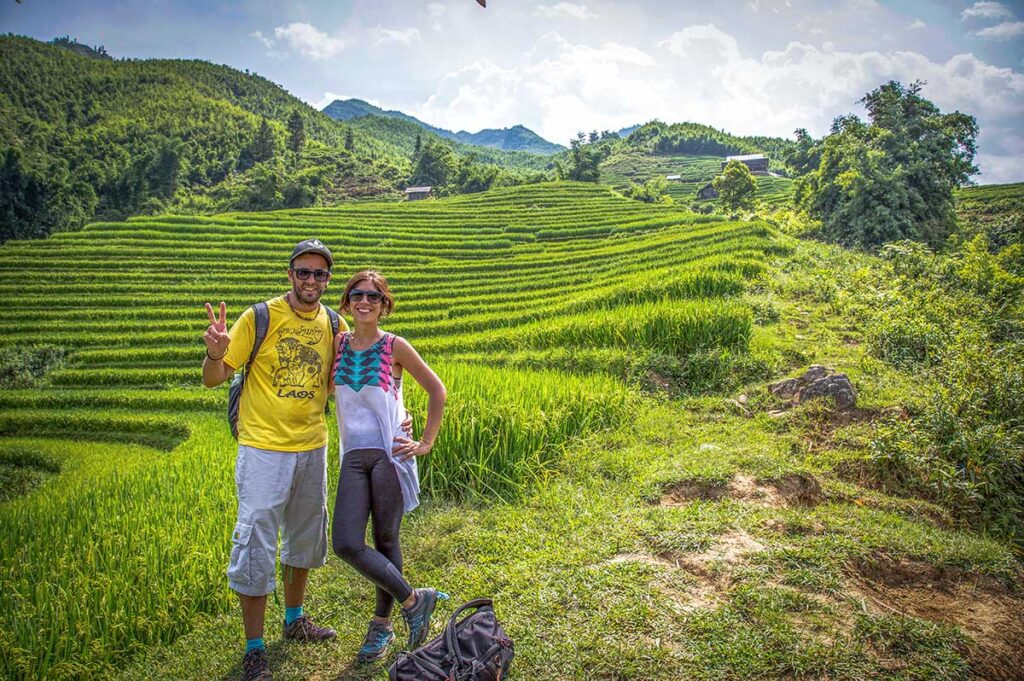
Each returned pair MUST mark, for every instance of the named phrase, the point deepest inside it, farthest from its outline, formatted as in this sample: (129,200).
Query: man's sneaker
(256,666)
(378,638)
(303,629)
(418,616)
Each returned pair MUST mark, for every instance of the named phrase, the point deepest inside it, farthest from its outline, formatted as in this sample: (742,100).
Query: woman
(378,467)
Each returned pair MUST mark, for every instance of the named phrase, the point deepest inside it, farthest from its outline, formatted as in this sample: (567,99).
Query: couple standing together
(281,468)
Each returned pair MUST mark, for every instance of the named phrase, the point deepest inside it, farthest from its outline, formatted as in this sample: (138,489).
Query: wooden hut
(757,163)
(417,193)
(707,192)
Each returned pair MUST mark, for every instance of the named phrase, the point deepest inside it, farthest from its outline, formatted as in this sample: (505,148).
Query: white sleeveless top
(368,402)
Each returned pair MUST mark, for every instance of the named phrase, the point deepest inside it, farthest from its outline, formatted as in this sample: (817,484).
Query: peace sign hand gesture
(216,336)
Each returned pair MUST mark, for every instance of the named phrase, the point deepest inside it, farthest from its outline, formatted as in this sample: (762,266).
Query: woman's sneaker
(378,637)
(418,616)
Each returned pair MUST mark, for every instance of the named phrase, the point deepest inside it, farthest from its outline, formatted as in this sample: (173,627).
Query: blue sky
(748,66)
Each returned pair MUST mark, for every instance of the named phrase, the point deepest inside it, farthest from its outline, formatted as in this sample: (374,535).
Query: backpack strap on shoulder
(335,320)
(261,322)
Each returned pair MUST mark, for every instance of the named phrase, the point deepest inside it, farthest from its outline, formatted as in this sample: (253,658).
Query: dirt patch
(732,548)
(686,491)
(797,489)
(695,581)
(980,605)
(686,590)
(822,429)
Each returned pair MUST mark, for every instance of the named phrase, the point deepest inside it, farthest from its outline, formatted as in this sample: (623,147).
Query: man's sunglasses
(303,274)
(358,294)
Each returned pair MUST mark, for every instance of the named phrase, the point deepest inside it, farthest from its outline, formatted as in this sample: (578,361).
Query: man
(281,469)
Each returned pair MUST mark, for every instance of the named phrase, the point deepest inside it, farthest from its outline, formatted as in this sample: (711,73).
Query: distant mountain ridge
(516,138)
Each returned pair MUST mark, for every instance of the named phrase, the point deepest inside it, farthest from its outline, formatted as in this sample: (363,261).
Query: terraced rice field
(527,301)
(694,171)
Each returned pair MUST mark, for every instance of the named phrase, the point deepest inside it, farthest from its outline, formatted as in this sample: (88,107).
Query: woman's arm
(405,355)
(334,360)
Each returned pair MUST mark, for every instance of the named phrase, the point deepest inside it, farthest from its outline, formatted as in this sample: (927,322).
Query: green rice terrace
(694,173)
(612,469)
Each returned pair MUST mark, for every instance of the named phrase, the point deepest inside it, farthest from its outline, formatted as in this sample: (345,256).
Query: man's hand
(216,336)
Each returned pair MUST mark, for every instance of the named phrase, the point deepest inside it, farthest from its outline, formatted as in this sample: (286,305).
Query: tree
(654,190)
(735,186)
(162,174)
(296,132)
(892,178)
(436,165)
(805,156)
(419,145)
(583,163)
(349,140)
(263,145)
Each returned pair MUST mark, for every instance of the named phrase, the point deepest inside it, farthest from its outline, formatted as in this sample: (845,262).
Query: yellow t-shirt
(282,405)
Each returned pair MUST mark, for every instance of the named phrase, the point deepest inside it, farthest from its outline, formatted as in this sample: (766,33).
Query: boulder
(817,382)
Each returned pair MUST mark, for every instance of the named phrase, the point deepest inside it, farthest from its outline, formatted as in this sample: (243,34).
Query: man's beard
(306,297)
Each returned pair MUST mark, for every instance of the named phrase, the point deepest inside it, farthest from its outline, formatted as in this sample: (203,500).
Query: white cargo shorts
(284,491)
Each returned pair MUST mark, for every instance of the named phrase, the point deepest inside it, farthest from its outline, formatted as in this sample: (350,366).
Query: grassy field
(630,521)
(695,172)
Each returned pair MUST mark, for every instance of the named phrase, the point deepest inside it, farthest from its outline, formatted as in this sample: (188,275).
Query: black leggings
(368,485)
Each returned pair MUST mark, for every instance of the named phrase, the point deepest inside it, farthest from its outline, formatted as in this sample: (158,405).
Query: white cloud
(564,10)
(700,74)
(436,11)
(986,10)
(306,39)
(917,24)
(774,5)
(556,89)
(380,36)
(1003,31)
(267,42)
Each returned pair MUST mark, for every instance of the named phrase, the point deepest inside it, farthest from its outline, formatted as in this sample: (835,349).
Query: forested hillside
(87,137)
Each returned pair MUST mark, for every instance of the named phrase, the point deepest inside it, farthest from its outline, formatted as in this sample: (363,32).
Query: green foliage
(654,190)
(27,367)
(736,187)
(959,318)
(583,160)
(892,178)
(700,140)
(434,166)
(296,133)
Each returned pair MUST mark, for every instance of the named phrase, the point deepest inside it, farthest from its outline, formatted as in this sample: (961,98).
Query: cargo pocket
(240,568)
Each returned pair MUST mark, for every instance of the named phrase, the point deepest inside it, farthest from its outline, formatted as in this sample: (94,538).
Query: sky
(751,67)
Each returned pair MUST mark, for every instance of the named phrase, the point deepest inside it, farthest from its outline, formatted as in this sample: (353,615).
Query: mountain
(85,137)
(516,138)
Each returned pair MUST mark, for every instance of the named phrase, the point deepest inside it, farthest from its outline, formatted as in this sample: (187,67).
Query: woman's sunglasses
(358,294)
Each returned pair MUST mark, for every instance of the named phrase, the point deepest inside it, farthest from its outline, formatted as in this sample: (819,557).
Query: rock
(813,373)
(838,387)
(786,389)
(817,382)
(742,399)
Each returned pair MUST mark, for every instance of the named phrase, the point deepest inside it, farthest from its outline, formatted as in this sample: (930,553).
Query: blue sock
(292,614)
(254,644)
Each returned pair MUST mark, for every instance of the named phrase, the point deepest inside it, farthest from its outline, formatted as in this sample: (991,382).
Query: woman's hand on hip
(405,449)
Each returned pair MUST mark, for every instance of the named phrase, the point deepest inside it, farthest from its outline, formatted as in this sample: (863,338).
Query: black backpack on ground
(473,649)
(261,320)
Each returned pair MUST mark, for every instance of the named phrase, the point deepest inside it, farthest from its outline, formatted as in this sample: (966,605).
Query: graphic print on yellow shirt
(282,405)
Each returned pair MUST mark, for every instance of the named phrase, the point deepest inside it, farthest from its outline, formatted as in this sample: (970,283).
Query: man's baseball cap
(312,246)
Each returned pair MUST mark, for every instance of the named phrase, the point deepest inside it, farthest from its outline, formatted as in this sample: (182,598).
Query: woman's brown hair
(379,282)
